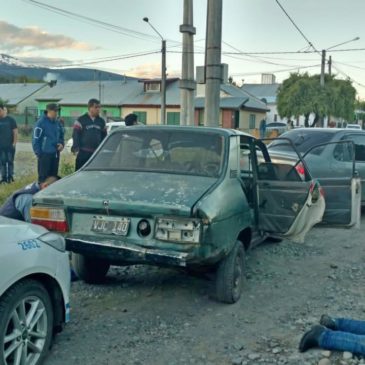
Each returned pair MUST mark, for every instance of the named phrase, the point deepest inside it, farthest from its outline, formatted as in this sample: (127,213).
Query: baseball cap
(53,106)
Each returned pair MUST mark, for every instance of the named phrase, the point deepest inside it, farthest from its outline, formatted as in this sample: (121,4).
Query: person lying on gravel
(338,334)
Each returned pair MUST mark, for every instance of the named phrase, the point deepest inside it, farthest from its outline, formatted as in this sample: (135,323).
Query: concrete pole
(187,83)
(213,68)
(163,83)
(323,65)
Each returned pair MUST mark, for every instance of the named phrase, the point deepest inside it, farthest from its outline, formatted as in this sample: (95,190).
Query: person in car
(88,132)
(338,334)
(131,119)
(18,205)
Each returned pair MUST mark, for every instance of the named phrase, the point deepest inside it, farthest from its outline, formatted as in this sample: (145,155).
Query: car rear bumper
(126,253)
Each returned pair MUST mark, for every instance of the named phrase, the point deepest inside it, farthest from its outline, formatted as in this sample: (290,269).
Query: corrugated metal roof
(262,91)
(224,103)
(13,94)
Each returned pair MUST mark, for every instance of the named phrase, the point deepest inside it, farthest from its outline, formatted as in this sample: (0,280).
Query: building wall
(245,119)
(153,114)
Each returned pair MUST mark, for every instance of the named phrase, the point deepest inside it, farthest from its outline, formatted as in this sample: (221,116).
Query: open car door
(289,202)
(333,165)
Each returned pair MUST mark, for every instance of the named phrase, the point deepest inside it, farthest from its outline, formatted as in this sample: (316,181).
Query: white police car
(34,291)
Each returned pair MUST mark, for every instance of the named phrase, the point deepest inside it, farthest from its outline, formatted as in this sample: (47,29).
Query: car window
(303,140)
(178,152)
(359,141)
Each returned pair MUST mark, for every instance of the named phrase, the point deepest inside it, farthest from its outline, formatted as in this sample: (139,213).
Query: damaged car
(184,196)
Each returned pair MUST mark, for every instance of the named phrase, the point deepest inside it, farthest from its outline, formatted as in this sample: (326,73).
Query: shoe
(328,322)
(311,338)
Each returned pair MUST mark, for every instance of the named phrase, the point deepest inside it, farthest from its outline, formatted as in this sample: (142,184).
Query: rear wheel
(90,269)
(26,324)
(230,275)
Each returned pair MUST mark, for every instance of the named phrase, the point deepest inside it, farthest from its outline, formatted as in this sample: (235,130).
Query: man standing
(131,119)
(262,128)
(48,142)
(8,139)
(89,130)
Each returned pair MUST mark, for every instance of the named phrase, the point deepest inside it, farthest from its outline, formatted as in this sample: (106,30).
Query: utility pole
(213,68)
(330,65)
(163,72)
(323,65)
(99,86)
(187,83)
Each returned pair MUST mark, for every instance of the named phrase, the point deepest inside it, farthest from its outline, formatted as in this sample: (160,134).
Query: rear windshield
(303,140)
(167,151)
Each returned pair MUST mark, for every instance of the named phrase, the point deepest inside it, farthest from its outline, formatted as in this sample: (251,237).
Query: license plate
(110,225)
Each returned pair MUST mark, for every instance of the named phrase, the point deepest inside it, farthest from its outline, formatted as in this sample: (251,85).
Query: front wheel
(90,269)
(230,275)
(26,324)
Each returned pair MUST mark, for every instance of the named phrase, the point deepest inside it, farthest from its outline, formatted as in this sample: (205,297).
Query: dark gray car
(324,161)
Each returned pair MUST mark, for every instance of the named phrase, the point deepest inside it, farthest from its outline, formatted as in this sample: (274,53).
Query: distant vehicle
(111,126)
(281,126)
(186,197)
(325,161)
(34,291)
(353,126)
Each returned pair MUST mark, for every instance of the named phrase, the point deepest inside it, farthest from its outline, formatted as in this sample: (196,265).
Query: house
(267,93)
(21,97)
(239,109)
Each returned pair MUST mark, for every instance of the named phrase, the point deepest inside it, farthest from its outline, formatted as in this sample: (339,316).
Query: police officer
(18,205)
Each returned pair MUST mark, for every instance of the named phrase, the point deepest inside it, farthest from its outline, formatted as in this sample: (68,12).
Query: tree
(302,94)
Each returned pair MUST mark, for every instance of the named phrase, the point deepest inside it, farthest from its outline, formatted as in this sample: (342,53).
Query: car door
(339,180)
(289,201)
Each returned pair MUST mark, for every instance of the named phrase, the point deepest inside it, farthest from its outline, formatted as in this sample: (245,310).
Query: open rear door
(289,201)
(333,164)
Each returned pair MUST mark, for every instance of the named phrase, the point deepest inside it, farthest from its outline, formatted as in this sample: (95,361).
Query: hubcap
(26,332)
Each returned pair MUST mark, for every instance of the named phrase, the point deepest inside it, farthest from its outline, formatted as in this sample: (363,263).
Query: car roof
(328,130)
(198,129)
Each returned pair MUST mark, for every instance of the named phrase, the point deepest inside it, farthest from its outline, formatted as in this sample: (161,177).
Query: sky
(35,35)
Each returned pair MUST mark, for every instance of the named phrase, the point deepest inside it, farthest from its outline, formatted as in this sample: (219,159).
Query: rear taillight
(300,170)
(54,219)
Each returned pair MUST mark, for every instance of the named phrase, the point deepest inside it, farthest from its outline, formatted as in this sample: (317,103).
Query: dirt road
(147,315)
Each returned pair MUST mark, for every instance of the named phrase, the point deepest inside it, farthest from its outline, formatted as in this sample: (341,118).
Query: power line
(274,71)
(108,26)
(295,25)
(348,77)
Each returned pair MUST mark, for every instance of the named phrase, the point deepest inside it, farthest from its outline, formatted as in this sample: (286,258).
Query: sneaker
(328,322)
(311,338)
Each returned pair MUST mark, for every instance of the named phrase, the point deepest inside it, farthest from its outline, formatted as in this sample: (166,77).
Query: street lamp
(330,60)
(163,72)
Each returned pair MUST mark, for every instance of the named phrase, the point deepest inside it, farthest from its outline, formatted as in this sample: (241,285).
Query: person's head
(94,106)
(48,181)
(52,110)
(131,119)
(2,110)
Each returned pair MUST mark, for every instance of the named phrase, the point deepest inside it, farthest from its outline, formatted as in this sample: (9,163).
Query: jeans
(7,163)
(350,336)
(47,165)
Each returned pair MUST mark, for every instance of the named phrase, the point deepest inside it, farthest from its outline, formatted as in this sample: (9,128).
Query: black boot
(328,322)
(311,338)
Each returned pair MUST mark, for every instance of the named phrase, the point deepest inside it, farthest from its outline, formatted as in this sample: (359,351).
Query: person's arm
(37,138)
(103,132)
(61,137)
(76,136)
(15,132)
(23,203)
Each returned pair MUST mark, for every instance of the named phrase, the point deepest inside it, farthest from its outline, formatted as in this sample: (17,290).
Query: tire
(230,275)
(89,269)
(19,338)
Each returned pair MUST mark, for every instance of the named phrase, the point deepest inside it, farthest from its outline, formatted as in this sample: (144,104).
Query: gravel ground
(149,315)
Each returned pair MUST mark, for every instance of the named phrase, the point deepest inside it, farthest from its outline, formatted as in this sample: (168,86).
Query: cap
(53,106)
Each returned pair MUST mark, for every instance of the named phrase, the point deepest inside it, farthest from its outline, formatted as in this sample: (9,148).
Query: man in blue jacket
(48,142)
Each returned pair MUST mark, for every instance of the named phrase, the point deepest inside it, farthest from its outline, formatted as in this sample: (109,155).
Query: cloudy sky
(33,33)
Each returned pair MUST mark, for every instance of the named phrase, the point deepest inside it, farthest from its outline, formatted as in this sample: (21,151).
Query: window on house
(142,117)
(173,118)
(252,121)
(152,87)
